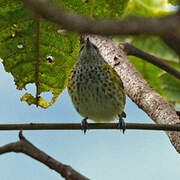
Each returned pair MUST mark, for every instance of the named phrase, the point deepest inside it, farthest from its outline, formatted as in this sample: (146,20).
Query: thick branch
(69,126)
(24,146)
(81,24)
(132,50)
(137,88)
(162,26)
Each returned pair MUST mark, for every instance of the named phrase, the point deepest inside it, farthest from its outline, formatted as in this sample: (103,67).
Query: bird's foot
(122,124)
(84,125)
(123,115)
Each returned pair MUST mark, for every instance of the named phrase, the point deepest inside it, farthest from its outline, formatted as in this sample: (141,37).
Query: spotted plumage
(95,88)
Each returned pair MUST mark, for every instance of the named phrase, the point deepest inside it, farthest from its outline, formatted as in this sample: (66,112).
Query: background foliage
(27,44)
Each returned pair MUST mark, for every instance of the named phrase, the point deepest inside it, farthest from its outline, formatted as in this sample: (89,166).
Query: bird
(95,88)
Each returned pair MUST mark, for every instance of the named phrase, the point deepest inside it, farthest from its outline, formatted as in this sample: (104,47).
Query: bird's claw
(84,125)
(122,124)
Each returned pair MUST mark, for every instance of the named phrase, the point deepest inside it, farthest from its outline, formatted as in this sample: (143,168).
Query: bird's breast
(95,95)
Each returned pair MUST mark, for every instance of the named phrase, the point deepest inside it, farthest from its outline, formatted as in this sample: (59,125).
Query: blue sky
(99,155)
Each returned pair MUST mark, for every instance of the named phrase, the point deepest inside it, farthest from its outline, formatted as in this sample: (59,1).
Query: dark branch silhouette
(134,51)
(91,126)
(24,146)
(166,27)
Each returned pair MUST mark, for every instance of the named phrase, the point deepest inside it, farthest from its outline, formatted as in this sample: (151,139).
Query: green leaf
(95,8)
(149,72)
(41,102)
(171,86)
(24,46)
(18,49)
(146,8)
(174,2)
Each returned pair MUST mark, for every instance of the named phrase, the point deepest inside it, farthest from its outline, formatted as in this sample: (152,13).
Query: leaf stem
(37,32)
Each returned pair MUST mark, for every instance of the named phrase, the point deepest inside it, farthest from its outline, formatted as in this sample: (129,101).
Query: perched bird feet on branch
(122,124)
(84,125)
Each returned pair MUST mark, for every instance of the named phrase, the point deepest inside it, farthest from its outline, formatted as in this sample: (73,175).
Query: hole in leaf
(128,40)
(20,46)
(62,31)
(31,88)
(13,35)
(47,96)
(50,59)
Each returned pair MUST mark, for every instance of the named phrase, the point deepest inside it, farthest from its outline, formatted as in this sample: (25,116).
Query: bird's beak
(88,42)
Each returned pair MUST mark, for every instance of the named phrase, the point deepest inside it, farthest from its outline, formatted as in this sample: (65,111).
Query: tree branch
(136,87)
(139,91)
(77,126)
(24,146)
(164,27)
(81,24)
(132,50)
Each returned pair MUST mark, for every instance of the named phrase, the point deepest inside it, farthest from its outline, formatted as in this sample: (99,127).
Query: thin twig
(77,126)
(26,147)
(134,51)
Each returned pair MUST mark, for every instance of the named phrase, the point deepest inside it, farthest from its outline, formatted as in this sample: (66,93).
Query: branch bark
(140,92)
(166,27)
(91,126)
(81,24)
(24,146)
